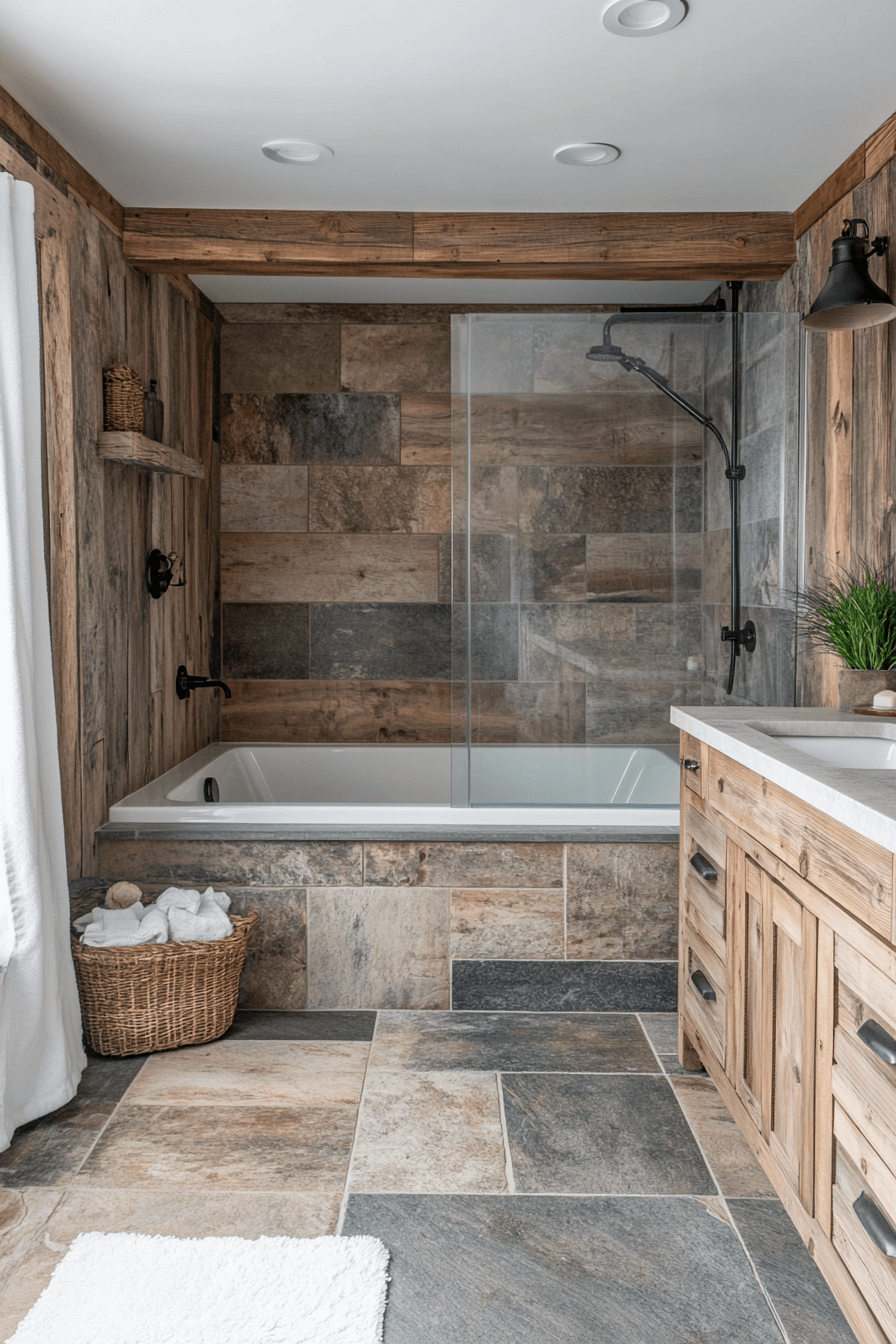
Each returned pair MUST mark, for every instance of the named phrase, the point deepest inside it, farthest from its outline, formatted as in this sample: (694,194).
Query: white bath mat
(126,1288)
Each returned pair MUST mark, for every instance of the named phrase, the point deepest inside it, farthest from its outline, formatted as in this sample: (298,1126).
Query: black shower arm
(631,362)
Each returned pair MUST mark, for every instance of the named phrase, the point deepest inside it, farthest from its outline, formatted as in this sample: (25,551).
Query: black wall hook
(164,572)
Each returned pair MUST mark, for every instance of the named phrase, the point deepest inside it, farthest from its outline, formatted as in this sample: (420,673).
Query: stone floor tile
(50,1150)
(568,1042)
(564,986)
(471,1268)
(437,1132)
(23,1213)
(174,1213)
(661,1030)
(25,1286)
(254,1073)
(309,1025)
(789,1275)
(247,1148)
(672,1066)
(730,1157)
(575,1134)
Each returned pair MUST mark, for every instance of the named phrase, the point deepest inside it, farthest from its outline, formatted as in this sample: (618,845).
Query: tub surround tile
(550,568)
(610,499)
(787,1272)
(393,864)
(574,1134)
(507,923)
(318,567)
(308,1025)
(265,640)
(570,986)
(275,974)
(730,1157)
(290,428)
(280,357)
(526,711)
(651,641)
(520,1042)
(501,354)
(337,711)
(381,641)
(494,500)
(645,567)
(494,640)
(253,1073)
(411,357)
(432,1132)
(264,498)
(197,1147)
(762,575)
(622,902)
(647,723)
(379,499)
(563,1269)
(492,571)
(242,862)
(23,1215)
(375,947)
(426,429)
(560,366)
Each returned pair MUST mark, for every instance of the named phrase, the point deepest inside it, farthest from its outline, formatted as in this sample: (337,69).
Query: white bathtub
(312,785)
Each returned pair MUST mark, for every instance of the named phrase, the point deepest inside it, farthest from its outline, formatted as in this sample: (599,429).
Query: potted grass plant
(853,615)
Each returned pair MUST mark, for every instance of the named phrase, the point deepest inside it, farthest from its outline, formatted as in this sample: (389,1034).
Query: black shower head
(606,354)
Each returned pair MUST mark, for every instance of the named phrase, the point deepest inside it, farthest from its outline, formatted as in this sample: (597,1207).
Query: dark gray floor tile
(672,1067)
(470,1269)
(265,640)
(661,1030)
(580,1135)
(108,1079)
(789,1275)
(521,1042)
(303,1026)
(381,641)
(565,986)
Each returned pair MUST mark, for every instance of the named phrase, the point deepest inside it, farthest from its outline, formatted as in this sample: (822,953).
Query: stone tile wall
(380,924)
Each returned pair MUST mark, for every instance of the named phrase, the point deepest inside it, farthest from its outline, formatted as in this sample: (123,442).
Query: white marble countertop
(864,800)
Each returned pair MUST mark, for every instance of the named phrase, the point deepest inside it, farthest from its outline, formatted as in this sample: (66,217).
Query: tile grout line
(565,902)
(508,1159)
(346,1189)
(120,1102)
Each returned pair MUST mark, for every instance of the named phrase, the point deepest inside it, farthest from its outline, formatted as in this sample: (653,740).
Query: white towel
(123,928)
(206,926)
(181,897)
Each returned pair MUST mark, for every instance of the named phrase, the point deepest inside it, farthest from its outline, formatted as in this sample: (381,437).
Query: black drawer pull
(704,868)
(210,791)
(876,1225)
(702,986)
(691,765)
(878,1041)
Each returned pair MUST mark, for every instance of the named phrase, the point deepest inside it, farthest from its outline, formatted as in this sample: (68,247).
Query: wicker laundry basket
(122,398)
(156,997)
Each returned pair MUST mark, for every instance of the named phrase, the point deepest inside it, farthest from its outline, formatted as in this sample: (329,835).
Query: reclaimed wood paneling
(337,711)
(304,567)
(136,450)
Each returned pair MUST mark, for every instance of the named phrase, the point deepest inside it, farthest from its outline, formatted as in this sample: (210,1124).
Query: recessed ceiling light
(586,156)
(302,152)
(643,18)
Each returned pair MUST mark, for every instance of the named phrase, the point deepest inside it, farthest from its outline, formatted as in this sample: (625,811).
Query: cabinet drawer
(703,974)
(864,1222)
(694,754)
(704,848)
(863,1078)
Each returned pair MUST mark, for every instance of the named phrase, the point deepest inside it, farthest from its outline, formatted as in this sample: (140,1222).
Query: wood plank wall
(115,649)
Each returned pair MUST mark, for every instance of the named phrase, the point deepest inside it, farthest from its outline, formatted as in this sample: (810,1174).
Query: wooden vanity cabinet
(787,995)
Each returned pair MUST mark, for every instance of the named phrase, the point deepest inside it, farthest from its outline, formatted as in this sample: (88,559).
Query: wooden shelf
(136,450)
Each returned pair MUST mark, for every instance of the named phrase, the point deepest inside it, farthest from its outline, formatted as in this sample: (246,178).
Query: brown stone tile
(279,357)
(645,567)
(165,1213)
(295,567)
(507,923)
(426,429)
(337,711)
(253,1148)
(264,498)
(375,947)
(245,862)
(25,1286)
(288,428)
(275,975)
(380,499)
(622,902)
(253,1073)
(610,499)
(551,568)
(528,711)
(411,358)
(23,1214)
(727,1152)
(429,1133)
(494,499)
(462,864)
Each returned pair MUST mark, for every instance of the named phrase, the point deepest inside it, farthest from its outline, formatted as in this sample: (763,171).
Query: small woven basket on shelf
(122,399)
(135,1000)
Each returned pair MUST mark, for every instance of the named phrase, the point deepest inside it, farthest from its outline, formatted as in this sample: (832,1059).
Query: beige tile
(279,357)
(528,711)
(426,428)
(379,499)
(293,567)
(275,974)
(337,711)
(507,923)
(727,1152)
(399,358)
(25,1287)
(645,567)
(468,864)
(253,1073)
(267,863)
(429,1132)
(264,498)
(376,947)
(23,1213)
(224,1148)
(622,901)
(169,1213)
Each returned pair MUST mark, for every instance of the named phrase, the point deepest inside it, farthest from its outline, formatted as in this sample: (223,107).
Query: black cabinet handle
(691,765)
(876,1225)
(702,986)
(704,868)
(880,1042)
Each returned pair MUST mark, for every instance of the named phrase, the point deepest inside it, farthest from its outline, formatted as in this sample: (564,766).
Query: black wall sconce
(850,299)
(164,572)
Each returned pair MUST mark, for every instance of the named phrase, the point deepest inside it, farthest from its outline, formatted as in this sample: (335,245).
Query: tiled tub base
(349,924)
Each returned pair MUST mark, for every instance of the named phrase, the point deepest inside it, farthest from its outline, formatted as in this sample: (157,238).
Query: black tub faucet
(184,684)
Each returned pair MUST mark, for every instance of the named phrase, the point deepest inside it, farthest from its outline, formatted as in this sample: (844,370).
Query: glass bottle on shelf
(153,413)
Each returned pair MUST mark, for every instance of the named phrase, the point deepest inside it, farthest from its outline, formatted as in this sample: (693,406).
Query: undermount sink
(848,753)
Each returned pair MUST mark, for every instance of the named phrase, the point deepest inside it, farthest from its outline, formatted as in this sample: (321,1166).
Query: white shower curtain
(41,1057)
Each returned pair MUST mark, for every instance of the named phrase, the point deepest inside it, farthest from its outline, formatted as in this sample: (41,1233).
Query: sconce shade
(850,299)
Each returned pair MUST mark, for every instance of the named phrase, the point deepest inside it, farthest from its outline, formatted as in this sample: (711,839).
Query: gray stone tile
(232,863)
(381,641)
(265,640)
(764,454)
(626,706)
(521,1042)
(443,864)
(526,711)
(550,568)
(605,1270)
(763,391)
(275,972)
(622,902)
(672,1068)
(280,357)
(495,638)
(762,581)
(491,575)
(574,1134)
(645,567)
(598,642)
(379,499)
(570,986)
(661,1030)
(610,499)
(327,427)
(789,1275)
(501,355)
(494,506)
(23,1214)
(730,1157)
(308,1025)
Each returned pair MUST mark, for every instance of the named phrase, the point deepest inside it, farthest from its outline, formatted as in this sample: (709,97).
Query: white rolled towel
(181,897)
(206,926)
(153,925)
(123,928)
